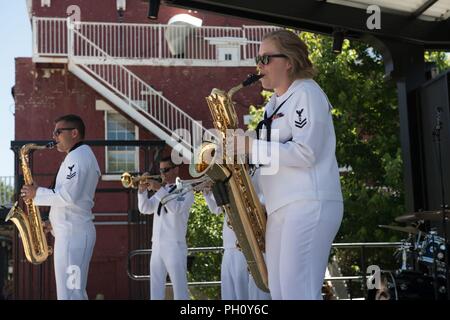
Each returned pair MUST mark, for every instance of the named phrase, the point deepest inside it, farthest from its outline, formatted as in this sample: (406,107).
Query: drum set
(423,261)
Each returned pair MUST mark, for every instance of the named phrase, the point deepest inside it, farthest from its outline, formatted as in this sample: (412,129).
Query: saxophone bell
(203,158)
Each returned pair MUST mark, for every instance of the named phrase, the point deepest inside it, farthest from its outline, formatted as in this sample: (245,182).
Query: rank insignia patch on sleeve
(71,174)
(301,122)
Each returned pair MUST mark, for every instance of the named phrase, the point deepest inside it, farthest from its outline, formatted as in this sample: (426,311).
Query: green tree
(6,193)
(441,59)
(204,230)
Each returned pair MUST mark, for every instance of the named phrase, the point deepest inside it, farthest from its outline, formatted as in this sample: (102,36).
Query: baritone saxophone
(233,188)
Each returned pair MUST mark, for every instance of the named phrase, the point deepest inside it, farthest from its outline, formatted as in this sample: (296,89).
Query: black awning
(413,25)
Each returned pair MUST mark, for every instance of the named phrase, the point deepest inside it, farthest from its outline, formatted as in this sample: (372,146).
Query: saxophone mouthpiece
(252,78)
(51,144)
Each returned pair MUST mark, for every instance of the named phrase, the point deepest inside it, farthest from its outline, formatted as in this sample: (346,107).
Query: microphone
(438,118)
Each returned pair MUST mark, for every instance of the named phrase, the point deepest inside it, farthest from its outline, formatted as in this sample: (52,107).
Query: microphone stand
(437,139)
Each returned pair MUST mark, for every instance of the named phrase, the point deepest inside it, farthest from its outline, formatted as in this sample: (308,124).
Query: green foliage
(441,59)
(204,230)
(6,193)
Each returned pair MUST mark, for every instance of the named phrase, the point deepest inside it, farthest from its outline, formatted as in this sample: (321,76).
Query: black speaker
(435,129)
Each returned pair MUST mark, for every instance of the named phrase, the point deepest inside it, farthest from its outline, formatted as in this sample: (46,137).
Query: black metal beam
(323,17)
(423,8)
(131,143)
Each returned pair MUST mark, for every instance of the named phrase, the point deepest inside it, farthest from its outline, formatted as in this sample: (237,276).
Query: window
(228,53)
(120,159)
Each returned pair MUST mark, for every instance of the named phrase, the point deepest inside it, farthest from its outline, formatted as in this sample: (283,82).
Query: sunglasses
(265,59)
(165,170)
(58,131)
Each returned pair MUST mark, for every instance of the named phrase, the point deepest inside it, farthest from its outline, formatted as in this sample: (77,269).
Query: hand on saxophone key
(28,192)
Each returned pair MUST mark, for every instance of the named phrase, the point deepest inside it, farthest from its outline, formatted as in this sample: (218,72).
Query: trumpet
(185,186)
(130,181)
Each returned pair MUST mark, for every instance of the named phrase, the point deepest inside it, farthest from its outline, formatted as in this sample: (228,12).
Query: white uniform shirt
(72,198)
(171,224)
(302,145)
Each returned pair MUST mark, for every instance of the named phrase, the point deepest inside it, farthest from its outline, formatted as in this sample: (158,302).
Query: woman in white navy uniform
(169,249)
(237,283)
(297,169)
(71,201)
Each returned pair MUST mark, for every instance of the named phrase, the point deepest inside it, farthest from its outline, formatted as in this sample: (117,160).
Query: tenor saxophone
(233,188)
(30,224)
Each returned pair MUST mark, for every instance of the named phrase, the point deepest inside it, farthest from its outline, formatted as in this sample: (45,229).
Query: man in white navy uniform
(71,201)
(237,283)
(169,249)
(297,169)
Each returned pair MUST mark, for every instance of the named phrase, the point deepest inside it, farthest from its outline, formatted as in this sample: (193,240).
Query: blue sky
(15,33)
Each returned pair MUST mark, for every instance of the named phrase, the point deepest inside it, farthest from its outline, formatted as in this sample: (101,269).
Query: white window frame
(232,51)
(227,45)
(116,177)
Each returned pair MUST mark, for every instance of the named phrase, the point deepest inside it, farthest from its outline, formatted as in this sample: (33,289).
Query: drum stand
(437,139)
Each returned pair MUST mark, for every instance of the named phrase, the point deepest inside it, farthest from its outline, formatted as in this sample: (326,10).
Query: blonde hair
(296,51)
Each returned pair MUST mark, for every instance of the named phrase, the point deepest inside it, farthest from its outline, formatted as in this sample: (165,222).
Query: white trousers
(255,293)
(168,258)
(74,245)
(298,242)
(234,275)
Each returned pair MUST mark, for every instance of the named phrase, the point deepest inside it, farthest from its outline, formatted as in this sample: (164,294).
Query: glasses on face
(265,59)
(165,170)
(58,131)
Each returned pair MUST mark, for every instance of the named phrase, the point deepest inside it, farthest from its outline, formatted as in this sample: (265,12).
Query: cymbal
(407,218)
(408,229)
(423,215)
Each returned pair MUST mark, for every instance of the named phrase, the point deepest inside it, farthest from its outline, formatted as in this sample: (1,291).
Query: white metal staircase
(98,52)
(129,93)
